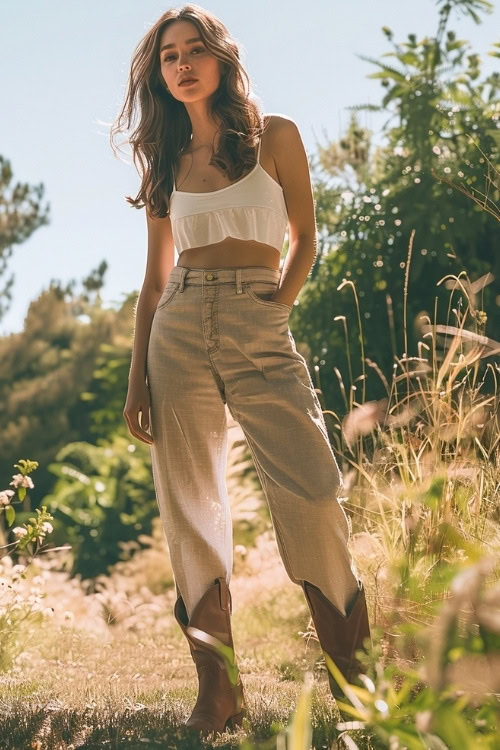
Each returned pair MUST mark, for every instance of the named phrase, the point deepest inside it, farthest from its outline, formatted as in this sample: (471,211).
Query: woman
(221,184)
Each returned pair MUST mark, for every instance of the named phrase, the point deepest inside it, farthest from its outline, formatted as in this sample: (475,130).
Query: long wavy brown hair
(160,124)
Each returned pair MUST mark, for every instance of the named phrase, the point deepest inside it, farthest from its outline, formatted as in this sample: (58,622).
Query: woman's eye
(195,49)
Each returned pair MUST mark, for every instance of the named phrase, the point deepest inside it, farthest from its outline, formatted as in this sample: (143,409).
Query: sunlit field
(399,323)
(110,668)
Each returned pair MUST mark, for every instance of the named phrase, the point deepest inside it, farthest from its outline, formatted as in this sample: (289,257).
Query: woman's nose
(182,63)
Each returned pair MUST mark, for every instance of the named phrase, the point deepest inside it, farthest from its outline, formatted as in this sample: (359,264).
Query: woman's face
(186,55)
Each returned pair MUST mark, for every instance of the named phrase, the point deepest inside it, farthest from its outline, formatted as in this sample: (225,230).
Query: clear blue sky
(64,69)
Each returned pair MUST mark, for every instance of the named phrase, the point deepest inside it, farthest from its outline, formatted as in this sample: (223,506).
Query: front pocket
(262,292)
(168,294)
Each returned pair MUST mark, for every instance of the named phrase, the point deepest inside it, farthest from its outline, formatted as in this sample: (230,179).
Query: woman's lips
(189,83)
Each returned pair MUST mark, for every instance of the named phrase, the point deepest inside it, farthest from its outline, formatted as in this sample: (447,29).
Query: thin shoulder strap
(258,150)
(266,120)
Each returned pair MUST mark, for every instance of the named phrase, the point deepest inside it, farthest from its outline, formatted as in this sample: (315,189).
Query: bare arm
(295,180)
(159,265)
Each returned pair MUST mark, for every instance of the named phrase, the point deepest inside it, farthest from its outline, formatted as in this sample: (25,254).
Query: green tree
(100,406)
(21,214)
(105,495)
(365,220)
(43,371)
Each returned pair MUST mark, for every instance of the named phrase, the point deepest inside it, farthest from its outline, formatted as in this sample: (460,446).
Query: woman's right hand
(138,401)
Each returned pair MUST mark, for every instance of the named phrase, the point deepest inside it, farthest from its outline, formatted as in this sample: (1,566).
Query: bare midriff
(230,253)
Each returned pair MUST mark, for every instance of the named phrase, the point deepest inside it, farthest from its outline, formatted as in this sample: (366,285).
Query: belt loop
(183,276)
(238,281)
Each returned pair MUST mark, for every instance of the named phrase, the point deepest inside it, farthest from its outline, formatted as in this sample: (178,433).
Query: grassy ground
(111,668)
(79,689)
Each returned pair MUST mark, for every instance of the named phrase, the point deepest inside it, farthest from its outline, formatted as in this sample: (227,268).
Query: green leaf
(433,742)
(454,729)
(300,729)
(10,514)
(226,652)
(408,738)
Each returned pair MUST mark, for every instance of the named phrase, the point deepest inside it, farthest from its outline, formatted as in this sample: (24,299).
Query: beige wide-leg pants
(217,338)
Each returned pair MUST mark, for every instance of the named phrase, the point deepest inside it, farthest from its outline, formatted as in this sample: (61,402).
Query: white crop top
(252,208)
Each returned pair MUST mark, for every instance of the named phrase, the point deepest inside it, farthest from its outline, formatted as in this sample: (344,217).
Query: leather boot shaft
(340,636)
(220,703)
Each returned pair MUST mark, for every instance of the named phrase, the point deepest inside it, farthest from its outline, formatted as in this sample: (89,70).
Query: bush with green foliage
(381,198)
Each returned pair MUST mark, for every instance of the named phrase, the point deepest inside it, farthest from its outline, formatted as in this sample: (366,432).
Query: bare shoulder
(291,162)
(278,125)
(282,136)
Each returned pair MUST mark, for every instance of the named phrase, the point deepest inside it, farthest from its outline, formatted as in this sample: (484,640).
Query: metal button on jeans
(209,276)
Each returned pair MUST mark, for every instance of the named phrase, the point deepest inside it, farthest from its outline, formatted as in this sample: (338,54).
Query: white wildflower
(19,531)
(19,480)
(47,527)
(5,496)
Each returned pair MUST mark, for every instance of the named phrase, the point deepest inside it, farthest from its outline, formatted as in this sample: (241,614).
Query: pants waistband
(213,276)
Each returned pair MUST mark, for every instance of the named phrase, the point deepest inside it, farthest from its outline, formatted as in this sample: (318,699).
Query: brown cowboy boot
(221,702)
(339,635)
